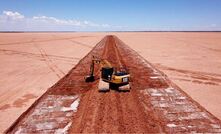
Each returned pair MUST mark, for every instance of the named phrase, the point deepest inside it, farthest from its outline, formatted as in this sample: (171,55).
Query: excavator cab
(106,73)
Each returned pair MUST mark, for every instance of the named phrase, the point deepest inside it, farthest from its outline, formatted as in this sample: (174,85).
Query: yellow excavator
(111,77)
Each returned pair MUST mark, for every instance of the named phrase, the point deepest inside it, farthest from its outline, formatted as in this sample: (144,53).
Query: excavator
(110,77)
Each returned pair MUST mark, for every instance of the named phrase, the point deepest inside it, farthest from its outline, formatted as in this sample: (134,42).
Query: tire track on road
(39,56)
(59,73)
(39,41)
(89,103)
(140,121)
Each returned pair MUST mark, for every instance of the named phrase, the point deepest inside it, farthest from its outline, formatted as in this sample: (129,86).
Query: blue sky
(110,15)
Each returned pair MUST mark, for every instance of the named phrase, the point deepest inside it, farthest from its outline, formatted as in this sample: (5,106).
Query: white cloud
(13,15)
(54,20)
(105,25)
(13,21)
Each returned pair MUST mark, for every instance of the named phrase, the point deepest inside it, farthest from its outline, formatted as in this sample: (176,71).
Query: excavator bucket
(89,78)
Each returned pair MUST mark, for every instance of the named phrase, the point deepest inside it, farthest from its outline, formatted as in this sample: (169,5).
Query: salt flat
(30,63)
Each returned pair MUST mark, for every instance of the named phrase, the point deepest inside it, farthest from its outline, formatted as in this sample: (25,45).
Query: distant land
(92,31)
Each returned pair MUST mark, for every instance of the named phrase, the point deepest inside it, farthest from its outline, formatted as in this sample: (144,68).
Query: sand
(33,62)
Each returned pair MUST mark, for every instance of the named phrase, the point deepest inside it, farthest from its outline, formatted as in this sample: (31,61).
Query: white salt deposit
(18,131)
(50,123)
(63,130)
(171,125)
(162,99)
(50,106)
(154,77)
(215,126)
(45,125)
(169,90)
(192,116)
(73,106)
(189,126)
(69,114)
(163,105)
(156,94)
(181,98)
(152,90)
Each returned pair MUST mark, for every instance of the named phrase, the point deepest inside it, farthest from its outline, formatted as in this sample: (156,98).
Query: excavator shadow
(116,90)
(122,91)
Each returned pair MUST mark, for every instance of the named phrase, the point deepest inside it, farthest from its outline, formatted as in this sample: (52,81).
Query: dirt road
(153,105)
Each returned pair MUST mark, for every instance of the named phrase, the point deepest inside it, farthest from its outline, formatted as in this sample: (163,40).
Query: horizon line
(103,31)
